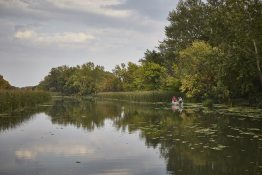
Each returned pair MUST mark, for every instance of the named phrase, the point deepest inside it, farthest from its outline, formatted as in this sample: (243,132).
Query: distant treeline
(212,49)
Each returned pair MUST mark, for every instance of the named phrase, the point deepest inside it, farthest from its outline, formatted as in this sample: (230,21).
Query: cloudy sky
(36,35)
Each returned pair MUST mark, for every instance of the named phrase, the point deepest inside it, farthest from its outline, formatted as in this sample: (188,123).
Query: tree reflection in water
(190,142)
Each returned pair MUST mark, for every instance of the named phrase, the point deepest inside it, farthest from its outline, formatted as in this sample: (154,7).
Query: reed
(13,100)
(140,96)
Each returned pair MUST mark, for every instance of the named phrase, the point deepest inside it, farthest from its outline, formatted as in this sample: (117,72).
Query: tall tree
(199,71)
(151,76)
(127,75)
(188,22)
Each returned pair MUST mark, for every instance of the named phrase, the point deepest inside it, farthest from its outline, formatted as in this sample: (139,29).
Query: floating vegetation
(253,129)
(247,133)
(206,131)
(230,136)
(241,119)
(216,148)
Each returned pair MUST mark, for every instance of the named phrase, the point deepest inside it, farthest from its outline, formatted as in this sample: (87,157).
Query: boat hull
(177,103)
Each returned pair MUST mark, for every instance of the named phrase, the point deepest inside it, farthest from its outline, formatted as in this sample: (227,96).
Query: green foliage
(148,76)
(110,83)
(241,41)
(127,75)
(81,80)
(153,57)
(12,100)
(198,70)
(189,22)
(234,28)
(58,80)
(172,84)
(152,76)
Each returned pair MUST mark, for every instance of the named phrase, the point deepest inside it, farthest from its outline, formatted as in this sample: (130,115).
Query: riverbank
(165,97)
(140,96)
(17,100)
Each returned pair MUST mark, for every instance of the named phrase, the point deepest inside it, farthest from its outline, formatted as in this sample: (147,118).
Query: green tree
(233,26)
(56,79)
(239,35)
(86,78)
(153,57)
(188,22)
(199,71)
(110,83)
(151,76)
(127,75)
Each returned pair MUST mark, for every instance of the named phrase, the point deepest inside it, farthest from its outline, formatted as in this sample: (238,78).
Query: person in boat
(180,100)
(174,99)
(177,104)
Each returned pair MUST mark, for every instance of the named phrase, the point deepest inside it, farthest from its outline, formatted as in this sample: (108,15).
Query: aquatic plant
(140,96)
(208,103)
(11,100)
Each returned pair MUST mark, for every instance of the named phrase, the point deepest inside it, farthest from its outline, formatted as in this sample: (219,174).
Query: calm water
(109,138)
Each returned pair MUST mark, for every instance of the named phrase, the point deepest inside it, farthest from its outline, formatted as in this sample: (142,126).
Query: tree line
(212,49)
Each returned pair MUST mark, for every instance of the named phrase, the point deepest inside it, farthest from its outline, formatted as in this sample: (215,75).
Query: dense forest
(212,49)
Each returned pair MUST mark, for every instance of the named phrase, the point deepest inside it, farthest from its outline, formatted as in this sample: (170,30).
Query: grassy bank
(19,99)
(139,96)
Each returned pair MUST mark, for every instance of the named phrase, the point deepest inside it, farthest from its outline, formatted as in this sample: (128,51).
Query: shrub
(140,96)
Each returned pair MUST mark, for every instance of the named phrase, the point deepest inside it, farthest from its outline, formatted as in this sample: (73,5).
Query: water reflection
(177,108)
(189,142)
(14,120)
(32,152)
(88,115)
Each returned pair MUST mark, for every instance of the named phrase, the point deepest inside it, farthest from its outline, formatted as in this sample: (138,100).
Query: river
(117,138)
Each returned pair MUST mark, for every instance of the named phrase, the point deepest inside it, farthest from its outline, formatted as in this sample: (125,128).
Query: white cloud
(55,38)
(27,34)
(31,153)
(16,3)
(102,7)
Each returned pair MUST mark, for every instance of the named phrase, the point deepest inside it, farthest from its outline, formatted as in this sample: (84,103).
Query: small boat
(177,106)
(177,103)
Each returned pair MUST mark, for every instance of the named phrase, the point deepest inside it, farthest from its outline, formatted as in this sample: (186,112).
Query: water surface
(73,137)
